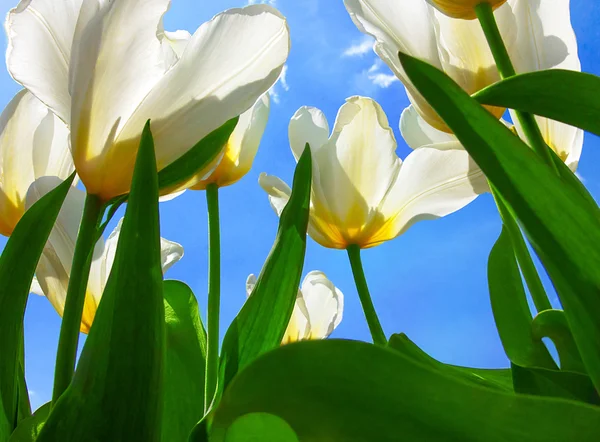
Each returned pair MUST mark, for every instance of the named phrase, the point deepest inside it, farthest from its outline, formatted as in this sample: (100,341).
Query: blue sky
(430,283)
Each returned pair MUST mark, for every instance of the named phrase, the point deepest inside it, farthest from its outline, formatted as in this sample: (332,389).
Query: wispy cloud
(378,78)
(281,84)
(359,48)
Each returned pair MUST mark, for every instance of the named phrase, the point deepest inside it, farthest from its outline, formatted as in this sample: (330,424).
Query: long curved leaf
(511,311)
(559,221)
(561,95)
(17,267)
(116,393)
(260,325)
(351,391)
(184,363)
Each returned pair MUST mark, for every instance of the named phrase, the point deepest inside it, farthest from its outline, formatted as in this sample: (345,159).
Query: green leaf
(553,324)
(198,157)
(17,267)
(29,428)
(117,391)
(350,391)
(185,363)
(260,427)
(511,310)
(262,321)
(559,222)
(567,96)
(500,379)
(554,383)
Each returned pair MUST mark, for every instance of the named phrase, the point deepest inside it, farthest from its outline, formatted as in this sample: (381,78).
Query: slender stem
(71,322)
(365,297)
(485,14)
(532,278)
(214,295)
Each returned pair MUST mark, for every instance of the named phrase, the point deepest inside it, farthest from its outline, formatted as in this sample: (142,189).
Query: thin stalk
(530,274)
(365,297)
(214,294)
(485,14)
(80,269)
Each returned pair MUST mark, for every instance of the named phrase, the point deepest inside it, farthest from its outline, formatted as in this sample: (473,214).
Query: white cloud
(359,48)
(281,83)
(378,78)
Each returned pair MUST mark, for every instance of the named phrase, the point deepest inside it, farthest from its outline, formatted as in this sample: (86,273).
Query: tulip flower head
(464,9)
(241,148)
(538,35)
(54,268)
(362,193)
(318,310)
(105,90)
(33,143)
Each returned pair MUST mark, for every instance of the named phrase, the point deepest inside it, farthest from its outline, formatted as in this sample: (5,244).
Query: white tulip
(106,67)
(538,35)
(54,268)
(33,143)
(362,193)
(318,310)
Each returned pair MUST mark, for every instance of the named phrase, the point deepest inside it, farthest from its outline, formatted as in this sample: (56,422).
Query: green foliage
(29,428)
(260,427)
(354,392)
(554,383)
(17,267)
(511,311)
(184,364)
(116,394)
(260,325)
(500,379)
(567,96)
(558,220)
(553,324)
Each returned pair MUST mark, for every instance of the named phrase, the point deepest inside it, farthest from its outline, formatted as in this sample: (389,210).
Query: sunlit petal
(33,143)
(434,181)
(324,304)
(40,35)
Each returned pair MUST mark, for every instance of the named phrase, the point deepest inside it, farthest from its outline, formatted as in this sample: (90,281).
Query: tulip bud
(464,9)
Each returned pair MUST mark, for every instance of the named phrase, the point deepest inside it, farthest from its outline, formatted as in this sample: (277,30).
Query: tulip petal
(40,35)
(173,44)
(33,143)
(54,267)
(464,52)
(109,79)
(278,191)
(546,40)
(308,125)
(324,304)
(242,146)
(228,64)
(357,166)
(434,181)
(418,133)
(397,26)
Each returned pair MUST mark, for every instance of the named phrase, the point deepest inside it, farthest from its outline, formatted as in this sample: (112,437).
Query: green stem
(532,278)
(214,295)
(71,322)
(365,297)
(485,14)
